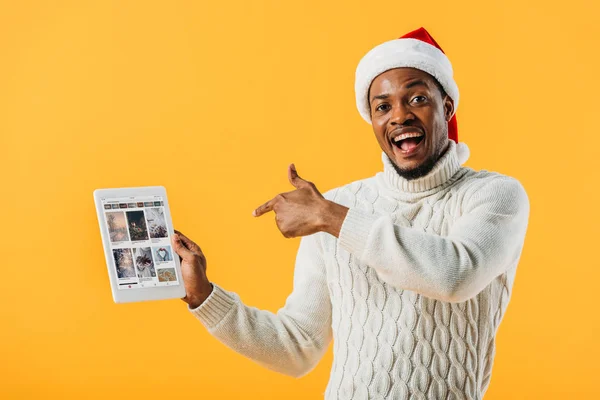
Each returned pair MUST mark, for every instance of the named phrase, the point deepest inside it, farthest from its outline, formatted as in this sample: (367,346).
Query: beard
(426,166)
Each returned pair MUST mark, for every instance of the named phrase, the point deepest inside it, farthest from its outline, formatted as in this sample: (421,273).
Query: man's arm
(482,244)
(293,340)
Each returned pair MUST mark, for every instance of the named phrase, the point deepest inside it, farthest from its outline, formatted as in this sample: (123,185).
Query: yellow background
(213,100)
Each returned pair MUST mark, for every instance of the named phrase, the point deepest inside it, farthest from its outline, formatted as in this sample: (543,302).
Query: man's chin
(417,165)
(414,169)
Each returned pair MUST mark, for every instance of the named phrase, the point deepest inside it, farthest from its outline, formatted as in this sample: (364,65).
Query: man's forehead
(404,78)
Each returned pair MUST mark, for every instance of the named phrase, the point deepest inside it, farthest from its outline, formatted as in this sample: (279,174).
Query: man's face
(408,100)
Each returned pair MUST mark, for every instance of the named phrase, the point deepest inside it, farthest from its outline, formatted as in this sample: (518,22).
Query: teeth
(407,135)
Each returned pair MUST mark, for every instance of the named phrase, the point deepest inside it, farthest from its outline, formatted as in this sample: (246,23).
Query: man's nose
(401,114)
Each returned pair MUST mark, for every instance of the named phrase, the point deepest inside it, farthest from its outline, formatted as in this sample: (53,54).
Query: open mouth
(408,145)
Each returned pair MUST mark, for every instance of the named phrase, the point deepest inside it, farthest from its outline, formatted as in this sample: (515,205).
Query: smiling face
(410,114)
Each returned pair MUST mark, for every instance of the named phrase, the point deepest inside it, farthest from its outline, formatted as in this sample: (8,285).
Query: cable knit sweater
(412,292)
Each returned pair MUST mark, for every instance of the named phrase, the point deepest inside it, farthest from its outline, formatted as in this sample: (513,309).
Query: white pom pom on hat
(416,49)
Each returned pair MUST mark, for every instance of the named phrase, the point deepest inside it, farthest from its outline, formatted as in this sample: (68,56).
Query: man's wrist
(197,301)
(332,218)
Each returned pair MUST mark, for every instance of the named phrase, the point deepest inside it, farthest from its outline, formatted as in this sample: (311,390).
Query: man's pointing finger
(268,206)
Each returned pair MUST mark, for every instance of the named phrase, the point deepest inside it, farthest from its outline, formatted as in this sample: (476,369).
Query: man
(409,271)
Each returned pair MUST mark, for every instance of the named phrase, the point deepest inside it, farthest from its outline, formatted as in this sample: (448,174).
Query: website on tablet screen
(140,242)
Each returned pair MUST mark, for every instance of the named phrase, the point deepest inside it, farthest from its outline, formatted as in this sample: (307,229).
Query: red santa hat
(416,49)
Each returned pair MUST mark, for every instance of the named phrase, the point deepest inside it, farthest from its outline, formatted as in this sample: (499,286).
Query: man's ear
(368,97)
(448,107)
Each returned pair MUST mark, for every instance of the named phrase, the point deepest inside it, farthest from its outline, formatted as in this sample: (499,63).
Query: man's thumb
(294,178)
(179,247)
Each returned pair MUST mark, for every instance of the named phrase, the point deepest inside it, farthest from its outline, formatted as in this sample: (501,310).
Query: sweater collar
(447,165)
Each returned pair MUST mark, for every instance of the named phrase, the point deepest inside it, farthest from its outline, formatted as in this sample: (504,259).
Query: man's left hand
(303,211)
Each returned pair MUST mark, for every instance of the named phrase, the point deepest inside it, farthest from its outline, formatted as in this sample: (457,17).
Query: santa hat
(416,49)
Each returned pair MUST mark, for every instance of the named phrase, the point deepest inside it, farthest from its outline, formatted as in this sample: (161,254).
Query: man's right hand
(193,269)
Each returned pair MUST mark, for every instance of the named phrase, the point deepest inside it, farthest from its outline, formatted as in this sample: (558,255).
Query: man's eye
(382,107)
(419,97)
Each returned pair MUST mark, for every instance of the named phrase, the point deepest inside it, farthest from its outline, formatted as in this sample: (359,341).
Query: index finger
(268,206)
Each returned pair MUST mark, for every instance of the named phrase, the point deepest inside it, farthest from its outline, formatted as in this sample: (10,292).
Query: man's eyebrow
(415,83)
(408,86)
(380,97)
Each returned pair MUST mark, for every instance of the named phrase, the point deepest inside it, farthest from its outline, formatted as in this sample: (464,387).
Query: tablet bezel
(141,294)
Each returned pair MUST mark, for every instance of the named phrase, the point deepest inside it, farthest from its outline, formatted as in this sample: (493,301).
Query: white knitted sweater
(412,292)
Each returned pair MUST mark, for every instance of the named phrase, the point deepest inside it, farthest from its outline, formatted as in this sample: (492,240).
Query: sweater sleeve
(485,241)
(291,341)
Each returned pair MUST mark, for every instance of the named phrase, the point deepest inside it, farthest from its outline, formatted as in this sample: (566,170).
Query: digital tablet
(135,224)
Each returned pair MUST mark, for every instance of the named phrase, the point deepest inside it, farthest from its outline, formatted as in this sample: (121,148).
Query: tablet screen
(140,242)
